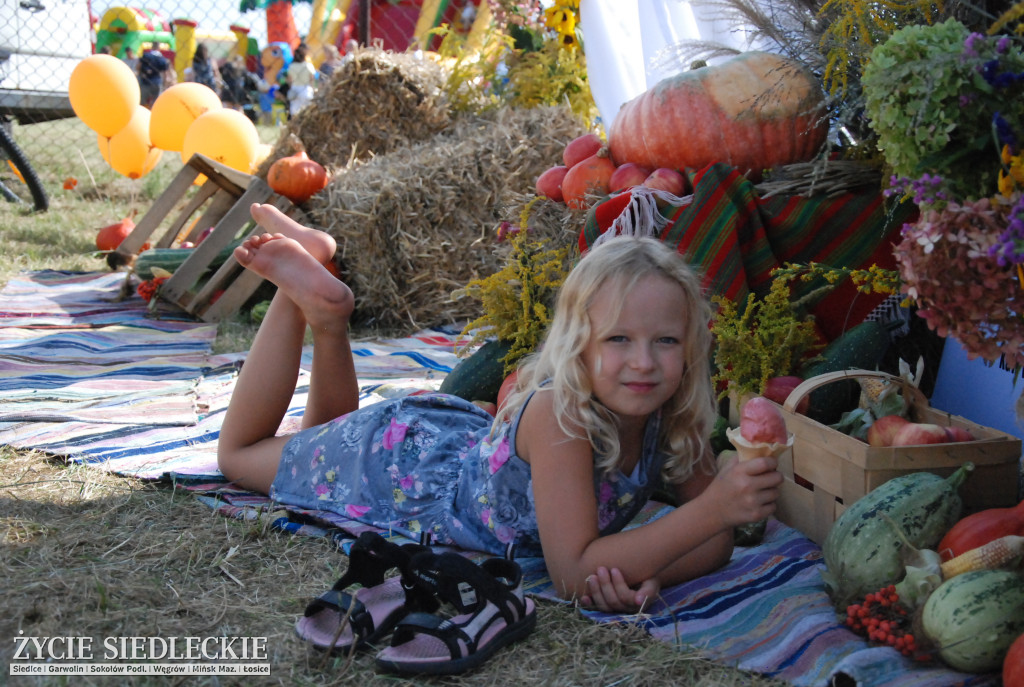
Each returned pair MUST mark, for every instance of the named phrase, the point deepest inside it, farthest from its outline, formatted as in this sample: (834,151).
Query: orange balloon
(224,135)
(129,151)
(104,93)
(174,111)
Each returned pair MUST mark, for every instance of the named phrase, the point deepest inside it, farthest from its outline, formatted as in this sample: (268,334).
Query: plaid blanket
(737,238)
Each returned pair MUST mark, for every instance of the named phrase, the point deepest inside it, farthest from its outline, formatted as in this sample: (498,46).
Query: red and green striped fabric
(737,238)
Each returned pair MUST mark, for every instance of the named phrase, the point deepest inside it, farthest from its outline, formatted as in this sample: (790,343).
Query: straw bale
(376,102)
(417,223)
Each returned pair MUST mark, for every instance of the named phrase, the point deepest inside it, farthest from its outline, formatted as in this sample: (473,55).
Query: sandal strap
(358,618)
(370,559)
(459,643)
(468,586)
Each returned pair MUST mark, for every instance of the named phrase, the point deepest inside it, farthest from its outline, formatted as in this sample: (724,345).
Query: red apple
(883,431)
(779,388)
(549,184)
(958,434)
(917,433)
(665,179)
(579,149)
(627,175)
(588,177)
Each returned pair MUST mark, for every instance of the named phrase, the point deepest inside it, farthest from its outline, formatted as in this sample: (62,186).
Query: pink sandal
(338,620)
(494,613)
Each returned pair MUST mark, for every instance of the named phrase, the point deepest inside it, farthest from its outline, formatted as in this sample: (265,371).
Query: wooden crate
(222,202)
(827,471)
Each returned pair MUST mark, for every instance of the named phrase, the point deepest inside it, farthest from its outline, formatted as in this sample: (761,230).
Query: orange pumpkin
(111,236)
(756,111)
(1013,664)
(296,177)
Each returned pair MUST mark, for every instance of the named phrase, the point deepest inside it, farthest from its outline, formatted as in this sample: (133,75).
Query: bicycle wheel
(18,181)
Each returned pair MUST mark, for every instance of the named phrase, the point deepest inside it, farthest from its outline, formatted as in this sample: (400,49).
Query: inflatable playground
(397,26)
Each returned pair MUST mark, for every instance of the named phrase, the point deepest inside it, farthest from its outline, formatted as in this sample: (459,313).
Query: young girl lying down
(619,394)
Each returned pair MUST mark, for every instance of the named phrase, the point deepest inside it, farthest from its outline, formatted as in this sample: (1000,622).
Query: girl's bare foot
(319,244)
(325,301)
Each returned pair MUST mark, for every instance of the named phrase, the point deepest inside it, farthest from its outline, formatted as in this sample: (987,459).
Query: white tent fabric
(621,38)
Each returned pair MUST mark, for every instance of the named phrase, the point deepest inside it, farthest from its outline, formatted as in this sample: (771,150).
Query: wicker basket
(827,470)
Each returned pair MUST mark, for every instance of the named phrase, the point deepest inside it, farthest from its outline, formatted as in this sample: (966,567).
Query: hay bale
(375,103)
(417,223)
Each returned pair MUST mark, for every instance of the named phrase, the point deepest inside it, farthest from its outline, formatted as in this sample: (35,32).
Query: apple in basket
(916,433)
(883,430)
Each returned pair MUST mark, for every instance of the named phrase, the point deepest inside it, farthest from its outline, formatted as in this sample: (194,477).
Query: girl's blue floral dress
(429,464)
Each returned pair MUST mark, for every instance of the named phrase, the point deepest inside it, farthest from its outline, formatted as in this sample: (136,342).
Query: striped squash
(972,619)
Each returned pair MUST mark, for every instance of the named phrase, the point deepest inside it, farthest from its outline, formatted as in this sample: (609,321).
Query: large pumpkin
(756,111)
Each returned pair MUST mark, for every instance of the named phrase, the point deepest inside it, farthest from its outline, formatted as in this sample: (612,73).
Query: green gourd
(479,377)
(859,348)
(973,618)
(170,259)
(863,549)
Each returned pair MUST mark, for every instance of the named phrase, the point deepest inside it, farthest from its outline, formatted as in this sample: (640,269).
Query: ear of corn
(998,553)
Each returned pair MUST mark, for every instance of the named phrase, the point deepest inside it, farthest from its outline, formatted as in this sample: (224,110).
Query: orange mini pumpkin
(111,236)
(296,177)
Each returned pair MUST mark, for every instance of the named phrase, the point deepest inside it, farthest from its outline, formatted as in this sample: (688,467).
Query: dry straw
(376,102)
(416,224)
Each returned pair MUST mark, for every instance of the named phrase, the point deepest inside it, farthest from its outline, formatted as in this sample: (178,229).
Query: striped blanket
(737,238)
(765,612)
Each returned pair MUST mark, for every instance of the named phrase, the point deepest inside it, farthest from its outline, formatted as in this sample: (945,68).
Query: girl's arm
(690,541)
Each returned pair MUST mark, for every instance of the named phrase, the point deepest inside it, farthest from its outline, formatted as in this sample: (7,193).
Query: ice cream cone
(755,449)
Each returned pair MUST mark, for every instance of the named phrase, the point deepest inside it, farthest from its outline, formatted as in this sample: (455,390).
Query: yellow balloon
(174,111)
(104,93)
(224,135)
(129,151)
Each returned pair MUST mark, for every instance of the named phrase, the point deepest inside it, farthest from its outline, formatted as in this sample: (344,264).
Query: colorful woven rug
(765,612)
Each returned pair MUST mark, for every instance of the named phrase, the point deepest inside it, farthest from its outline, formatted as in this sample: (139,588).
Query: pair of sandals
(492,609)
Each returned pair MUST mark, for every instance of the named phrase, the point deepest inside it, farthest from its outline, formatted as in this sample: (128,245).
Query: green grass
(86,553)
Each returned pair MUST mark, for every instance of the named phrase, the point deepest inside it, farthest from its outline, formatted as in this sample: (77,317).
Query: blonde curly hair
(687,417)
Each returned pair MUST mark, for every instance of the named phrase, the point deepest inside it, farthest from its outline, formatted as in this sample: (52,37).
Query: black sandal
(494,613)
(338,621)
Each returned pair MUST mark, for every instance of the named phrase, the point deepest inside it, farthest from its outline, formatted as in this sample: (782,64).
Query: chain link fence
(41,41)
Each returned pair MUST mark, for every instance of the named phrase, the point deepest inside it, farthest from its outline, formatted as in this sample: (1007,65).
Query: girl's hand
(608,592)
(746,491)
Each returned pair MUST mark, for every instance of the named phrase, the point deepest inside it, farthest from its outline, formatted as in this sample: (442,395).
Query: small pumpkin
(756,111)
(980,528)
(111,236)
(296,177)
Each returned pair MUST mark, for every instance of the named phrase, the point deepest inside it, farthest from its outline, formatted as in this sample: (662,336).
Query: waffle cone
(756,449)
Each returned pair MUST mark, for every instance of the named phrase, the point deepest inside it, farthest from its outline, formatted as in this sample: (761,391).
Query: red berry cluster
(884,620)
(148,288)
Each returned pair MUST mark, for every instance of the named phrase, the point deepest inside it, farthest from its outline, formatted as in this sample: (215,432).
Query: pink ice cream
(761,421)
